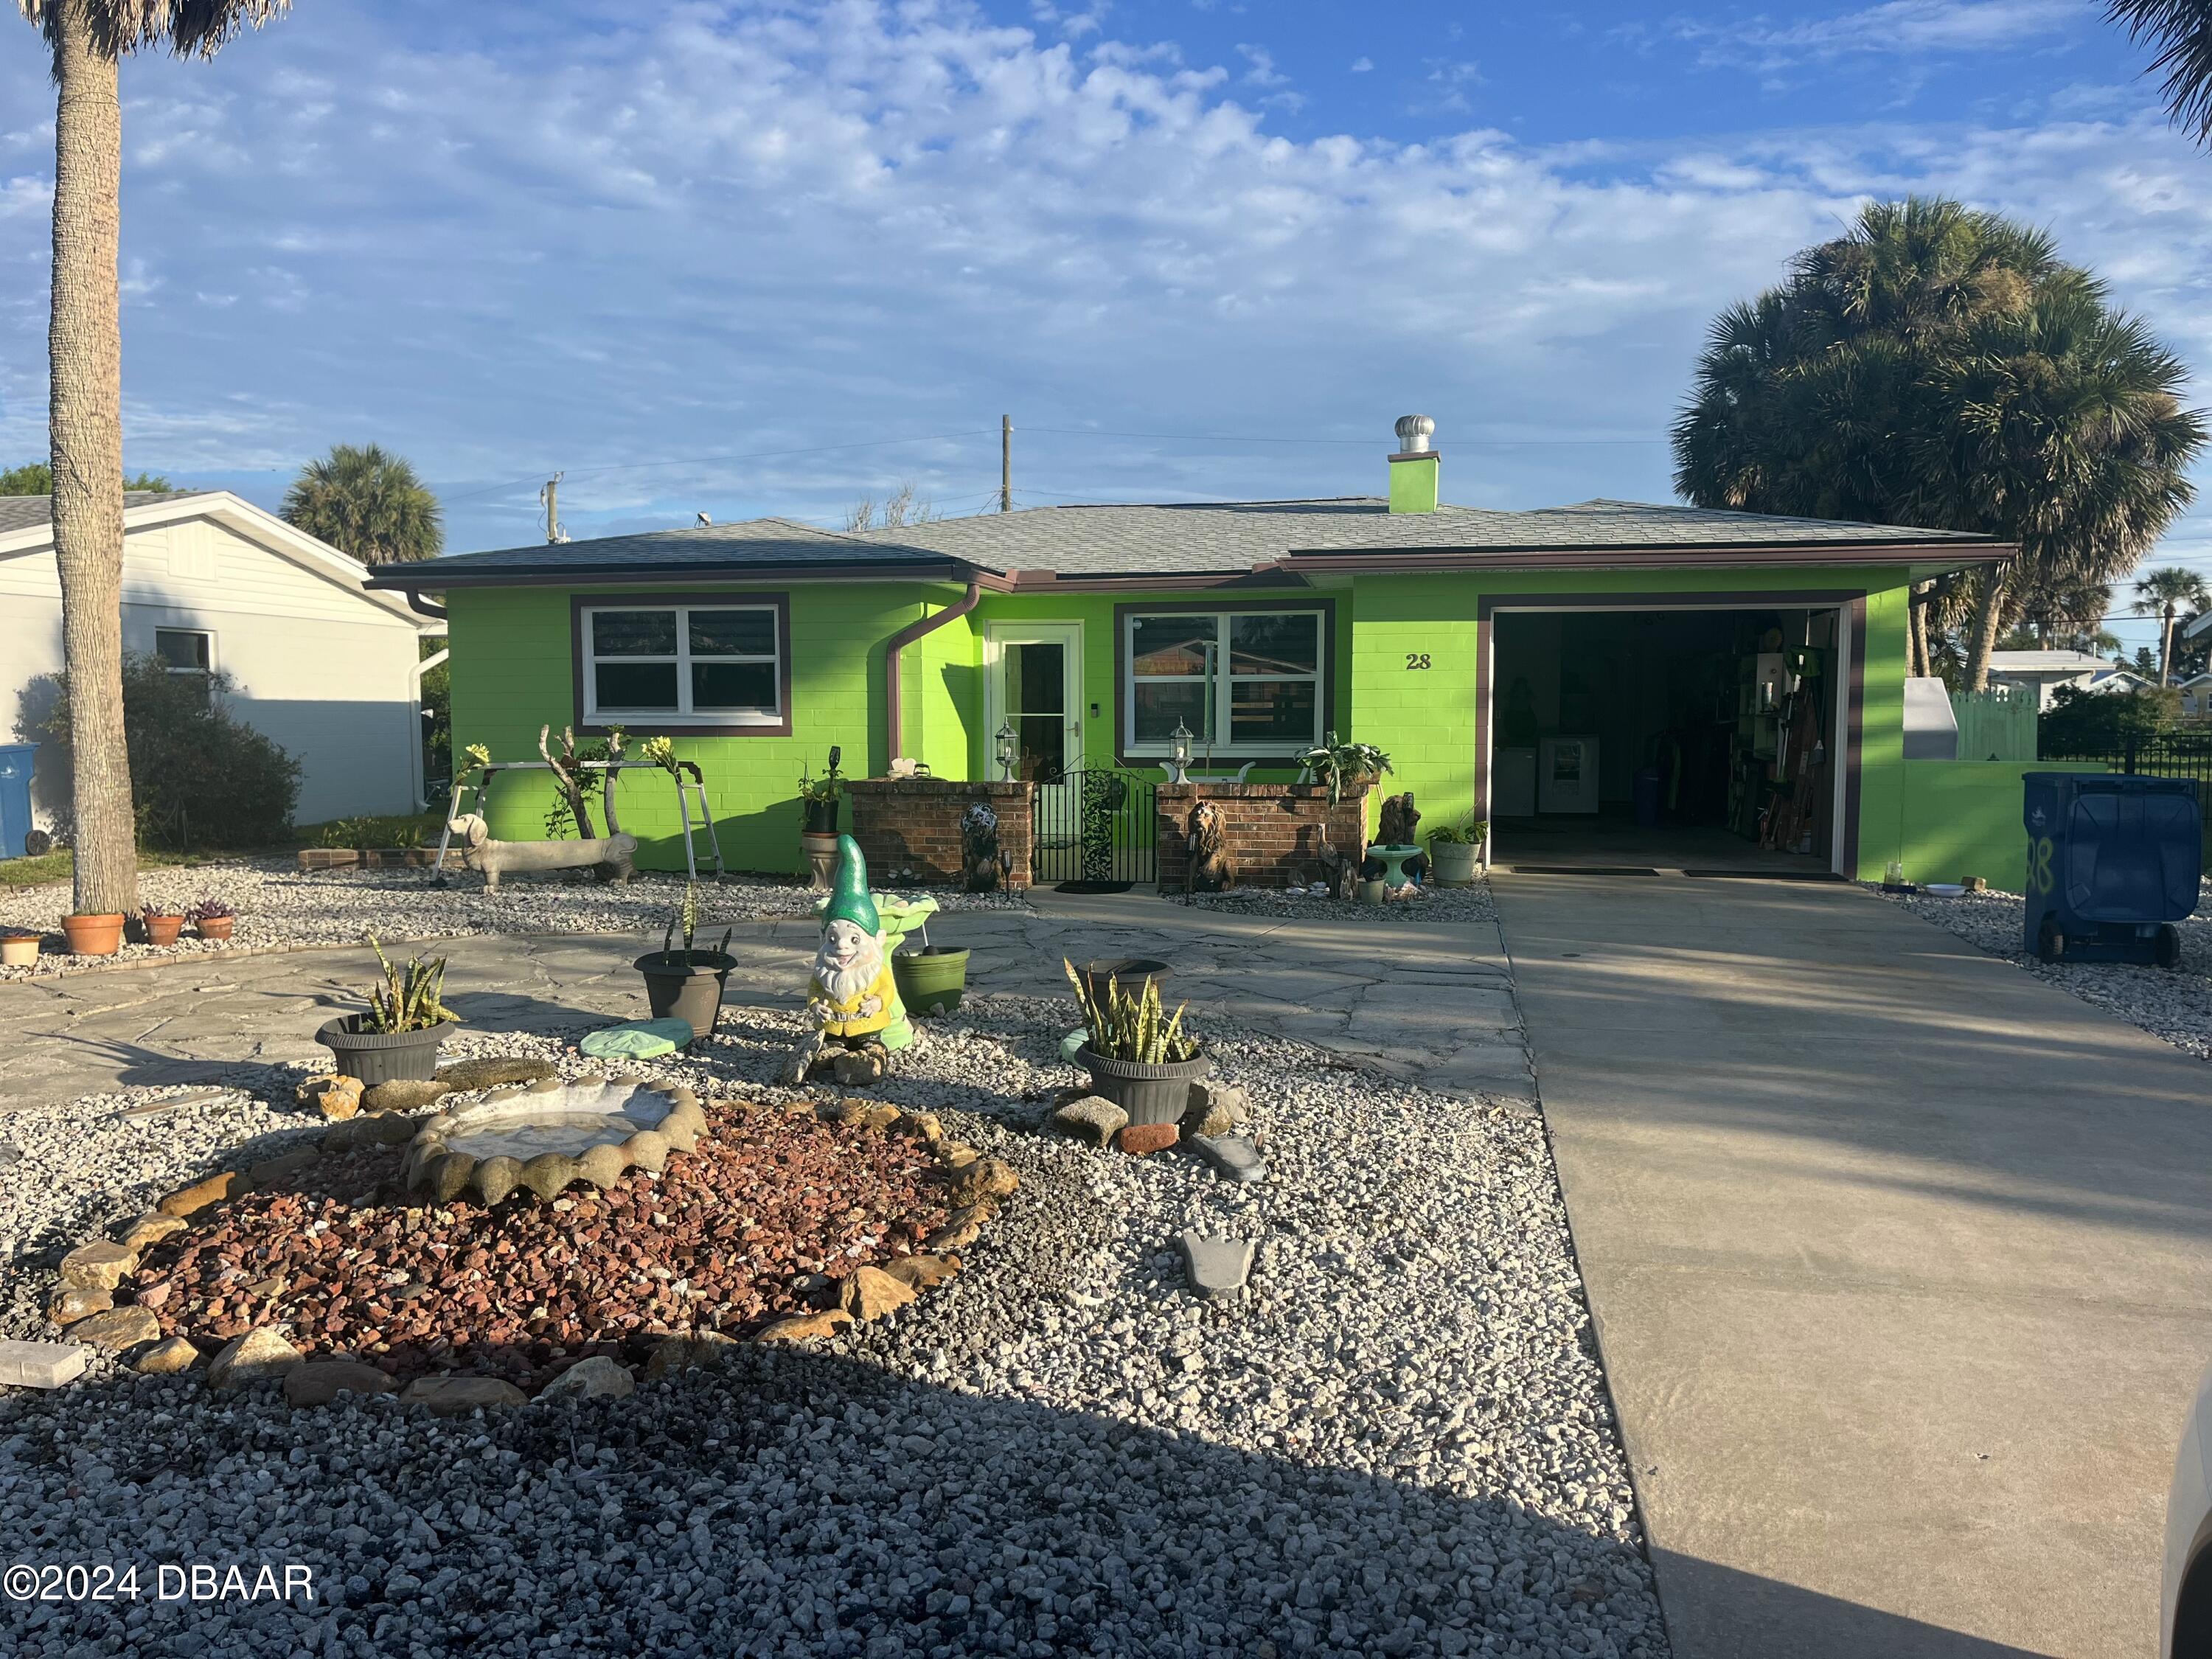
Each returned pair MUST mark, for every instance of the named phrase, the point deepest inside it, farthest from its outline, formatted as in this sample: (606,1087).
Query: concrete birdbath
(551,1135)
(1394,859)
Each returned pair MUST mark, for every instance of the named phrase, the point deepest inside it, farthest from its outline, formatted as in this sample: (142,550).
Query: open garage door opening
(1708,741)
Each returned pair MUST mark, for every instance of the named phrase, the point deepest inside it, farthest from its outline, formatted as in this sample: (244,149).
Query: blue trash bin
(2112,863)
(15,760)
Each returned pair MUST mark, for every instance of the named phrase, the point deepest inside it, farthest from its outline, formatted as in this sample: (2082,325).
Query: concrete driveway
(1901,1261)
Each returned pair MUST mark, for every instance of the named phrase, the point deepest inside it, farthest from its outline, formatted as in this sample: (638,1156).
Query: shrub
(2083,722)
(199,777)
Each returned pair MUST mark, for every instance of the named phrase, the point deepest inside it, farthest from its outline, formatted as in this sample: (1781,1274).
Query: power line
(1363,443)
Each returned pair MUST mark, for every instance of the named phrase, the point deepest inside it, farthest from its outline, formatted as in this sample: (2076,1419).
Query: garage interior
(1655,742)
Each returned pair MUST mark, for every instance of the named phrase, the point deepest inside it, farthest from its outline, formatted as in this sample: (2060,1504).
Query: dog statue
(1212,869)
(615,857)
(985,866)
(1399,820)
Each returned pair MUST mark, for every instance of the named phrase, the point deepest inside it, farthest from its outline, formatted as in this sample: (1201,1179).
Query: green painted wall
(1403,676)
(512,673)
(1415,674)
(1962,818)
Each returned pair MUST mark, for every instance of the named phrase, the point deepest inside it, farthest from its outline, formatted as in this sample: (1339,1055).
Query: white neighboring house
(2045,671)
(2196,694)
(328,670)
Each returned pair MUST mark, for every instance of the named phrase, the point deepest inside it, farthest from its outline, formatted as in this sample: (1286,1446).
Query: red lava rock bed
(723,1240)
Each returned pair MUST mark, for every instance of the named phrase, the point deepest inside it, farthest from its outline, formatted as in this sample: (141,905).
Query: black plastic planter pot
(930,979)
(818,817)
(689,988)
(1149,1094)
(1132,974)
(377,1057)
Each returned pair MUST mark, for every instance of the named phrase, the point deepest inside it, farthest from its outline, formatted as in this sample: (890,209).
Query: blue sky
(710,256)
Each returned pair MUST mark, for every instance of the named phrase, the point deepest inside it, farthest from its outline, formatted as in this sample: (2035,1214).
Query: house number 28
(1416,659)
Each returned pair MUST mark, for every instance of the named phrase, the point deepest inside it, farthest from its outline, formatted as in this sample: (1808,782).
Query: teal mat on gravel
(641,1039)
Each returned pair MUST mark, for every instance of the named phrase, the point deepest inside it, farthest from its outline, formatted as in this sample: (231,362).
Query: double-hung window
(700,665)
(1246,683)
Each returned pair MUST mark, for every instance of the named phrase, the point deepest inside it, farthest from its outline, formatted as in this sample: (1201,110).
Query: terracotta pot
(163,930)
(18,950)
(216,927)
(93,936)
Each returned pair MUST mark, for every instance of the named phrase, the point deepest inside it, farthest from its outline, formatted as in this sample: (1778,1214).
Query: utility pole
(550,496)
(1006,463)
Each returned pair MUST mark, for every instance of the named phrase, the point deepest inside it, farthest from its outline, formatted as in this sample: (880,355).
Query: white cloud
(709,232)
(1894,27)
(1361,65)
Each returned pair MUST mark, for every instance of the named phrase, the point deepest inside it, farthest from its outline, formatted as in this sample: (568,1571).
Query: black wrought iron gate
(1095,824)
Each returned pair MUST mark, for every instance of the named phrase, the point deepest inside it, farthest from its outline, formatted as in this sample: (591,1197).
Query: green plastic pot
(931,978)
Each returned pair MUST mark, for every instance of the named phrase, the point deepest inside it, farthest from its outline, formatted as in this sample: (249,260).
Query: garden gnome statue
(852,997)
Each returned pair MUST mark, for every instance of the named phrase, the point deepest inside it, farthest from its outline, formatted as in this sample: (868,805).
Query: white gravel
(280,904)
(1422,904)
(1398,1444)
(2175,1004)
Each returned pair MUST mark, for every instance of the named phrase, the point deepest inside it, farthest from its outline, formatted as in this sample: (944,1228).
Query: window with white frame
(185,650)
(711,665)
(1241,682)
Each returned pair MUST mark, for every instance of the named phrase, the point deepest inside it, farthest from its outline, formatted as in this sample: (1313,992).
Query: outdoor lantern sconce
(1178,766)
(1007,752)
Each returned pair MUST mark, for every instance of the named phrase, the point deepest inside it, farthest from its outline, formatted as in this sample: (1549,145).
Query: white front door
(1034,677)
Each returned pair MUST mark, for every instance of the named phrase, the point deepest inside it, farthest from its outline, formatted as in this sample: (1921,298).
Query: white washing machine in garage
(1566,775)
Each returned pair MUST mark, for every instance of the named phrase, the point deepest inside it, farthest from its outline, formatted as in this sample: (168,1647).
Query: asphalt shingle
(1175,538)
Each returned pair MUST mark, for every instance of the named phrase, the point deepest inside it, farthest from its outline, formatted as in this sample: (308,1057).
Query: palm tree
(84,410)
(2182,31)
(1941,366)
(365,502)
(2165,593)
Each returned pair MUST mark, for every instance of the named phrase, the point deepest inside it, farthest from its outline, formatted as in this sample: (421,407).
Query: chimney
(1414,468)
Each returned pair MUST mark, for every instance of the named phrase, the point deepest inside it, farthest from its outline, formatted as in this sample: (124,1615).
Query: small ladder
(686,791)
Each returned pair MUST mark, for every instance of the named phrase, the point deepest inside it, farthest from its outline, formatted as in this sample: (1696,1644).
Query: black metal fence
(2173,755)
(1095,824)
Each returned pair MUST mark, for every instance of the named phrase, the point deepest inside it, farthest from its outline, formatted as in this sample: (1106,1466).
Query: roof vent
(1414,468)
(704,522)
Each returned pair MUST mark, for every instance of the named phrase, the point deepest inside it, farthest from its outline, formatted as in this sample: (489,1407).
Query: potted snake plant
(397,1040)
(1138,1056)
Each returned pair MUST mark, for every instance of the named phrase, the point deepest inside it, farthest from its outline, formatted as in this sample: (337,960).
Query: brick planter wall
(915,824)
(1275,829)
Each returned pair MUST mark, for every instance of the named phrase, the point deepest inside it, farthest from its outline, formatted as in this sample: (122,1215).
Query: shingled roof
(1181,539)
(34,512)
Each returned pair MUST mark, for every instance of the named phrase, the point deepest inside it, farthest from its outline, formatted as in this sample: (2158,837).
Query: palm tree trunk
(1989,615)
(1916,630)
(85,422)
(2166,648)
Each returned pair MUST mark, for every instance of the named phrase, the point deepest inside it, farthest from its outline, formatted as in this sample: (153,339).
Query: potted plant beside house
(161,923)
(1455,850)
(818,820)
(1138,1056)
(92,935)
(212,918)
(397,1040)
(1342,765)
(685,983)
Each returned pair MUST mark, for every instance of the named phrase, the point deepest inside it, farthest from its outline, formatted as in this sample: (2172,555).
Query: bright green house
(1604,670)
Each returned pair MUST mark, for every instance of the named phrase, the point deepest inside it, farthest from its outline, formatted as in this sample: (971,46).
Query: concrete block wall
(914,823)
(1275,830)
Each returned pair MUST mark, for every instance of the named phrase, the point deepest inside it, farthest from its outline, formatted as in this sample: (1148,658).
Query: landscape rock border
(978,1185)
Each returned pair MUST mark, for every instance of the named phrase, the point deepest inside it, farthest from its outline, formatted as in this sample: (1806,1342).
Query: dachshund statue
(615,857)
